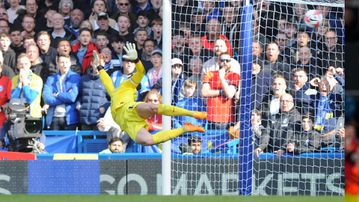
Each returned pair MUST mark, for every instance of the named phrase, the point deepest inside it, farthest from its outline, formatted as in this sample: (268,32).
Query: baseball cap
(156,51)
(176,61)
(102,15)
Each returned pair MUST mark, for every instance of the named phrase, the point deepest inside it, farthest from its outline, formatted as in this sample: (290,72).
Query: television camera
(22,129)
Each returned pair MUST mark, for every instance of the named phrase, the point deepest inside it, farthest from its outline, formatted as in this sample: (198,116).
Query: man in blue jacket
(60,94)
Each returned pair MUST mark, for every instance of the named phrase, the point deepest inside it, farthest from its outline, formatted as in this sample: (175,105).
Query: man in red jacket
(84,48)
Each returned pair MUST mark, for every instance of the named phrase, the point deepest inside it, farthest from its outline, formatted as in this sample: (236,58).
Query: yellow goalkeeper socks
(170,110)
(165,135)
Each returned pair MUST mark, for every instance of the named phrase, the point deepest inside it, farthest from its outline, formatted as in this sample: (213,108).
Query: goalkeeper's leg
(146,110)
(145,138)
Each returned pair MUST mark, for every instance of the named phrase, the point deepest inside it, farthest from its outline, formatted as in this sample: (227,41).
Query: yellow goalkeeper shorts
(129,120)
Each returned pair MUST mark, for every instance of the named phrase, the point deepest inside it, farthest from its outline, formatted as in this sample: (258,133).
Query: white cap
(176,61)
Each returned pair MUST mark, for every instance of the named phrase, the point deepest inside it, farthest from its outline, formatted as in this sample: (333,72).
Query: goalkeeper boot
(189,127)
(200,115)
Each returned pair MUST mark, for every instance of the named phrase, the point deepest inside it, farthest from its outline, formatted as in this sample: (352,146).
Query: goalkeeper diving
(131,115)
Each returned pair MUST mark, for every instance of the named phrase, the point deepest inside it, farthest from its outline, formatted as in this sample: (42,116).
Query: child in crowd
(189,102)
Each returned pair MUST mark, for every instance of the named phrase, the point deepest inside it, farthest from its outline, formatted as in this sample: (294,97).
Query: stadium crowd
(297,73)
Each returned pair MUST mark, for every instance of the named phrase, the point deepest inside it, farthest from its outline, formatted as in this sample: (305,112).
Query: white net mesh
(294,89)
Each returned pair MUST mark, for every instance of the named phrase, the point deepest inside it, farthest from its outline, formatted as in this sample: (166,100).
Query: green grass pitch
(152,198)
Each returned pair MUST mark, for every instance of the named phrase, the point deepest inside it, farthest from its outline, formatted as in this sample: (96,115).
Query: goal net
(271,77)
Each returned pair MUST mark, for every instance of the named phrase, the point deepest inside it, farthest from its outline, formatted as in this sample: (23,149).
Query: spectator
(274,63)
(307,62)
(198,22)
(332,52)
(213,28)
(84,48)
(31,9)
(47,53)
(8,53)
(260,83)
(49,21)
(179,49)
(109,63)
(4,26)
(328,108)
(271,102)
(156,33)
(30,40)
(285,123)
(214,63)
(143,21)
(189,101)
(92,99)
(304,140)
(299,13)
(257,50)
(334,22)
(46,5)
(28,25)
(124,27)
(124,7)
(231,25)
(156,5)
(210,10)
(104,26)
(64,48)
(195,145)
(148,47)
(196,48)
(16,41)
(141,5)
(12,11)
(60,94)
(37,65)
(5,70)
(335,77)
(178,78)
(76,18)
(102,40)
(117,49)
(303,40)
(155,73)
(5,86)
(115,145)
(195,66)
(65,8)
(27,85)
(154,122)
(59,31)
(260,133)
(220,87)
(140,38)
(300,89)
(99,6)
(285,52)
